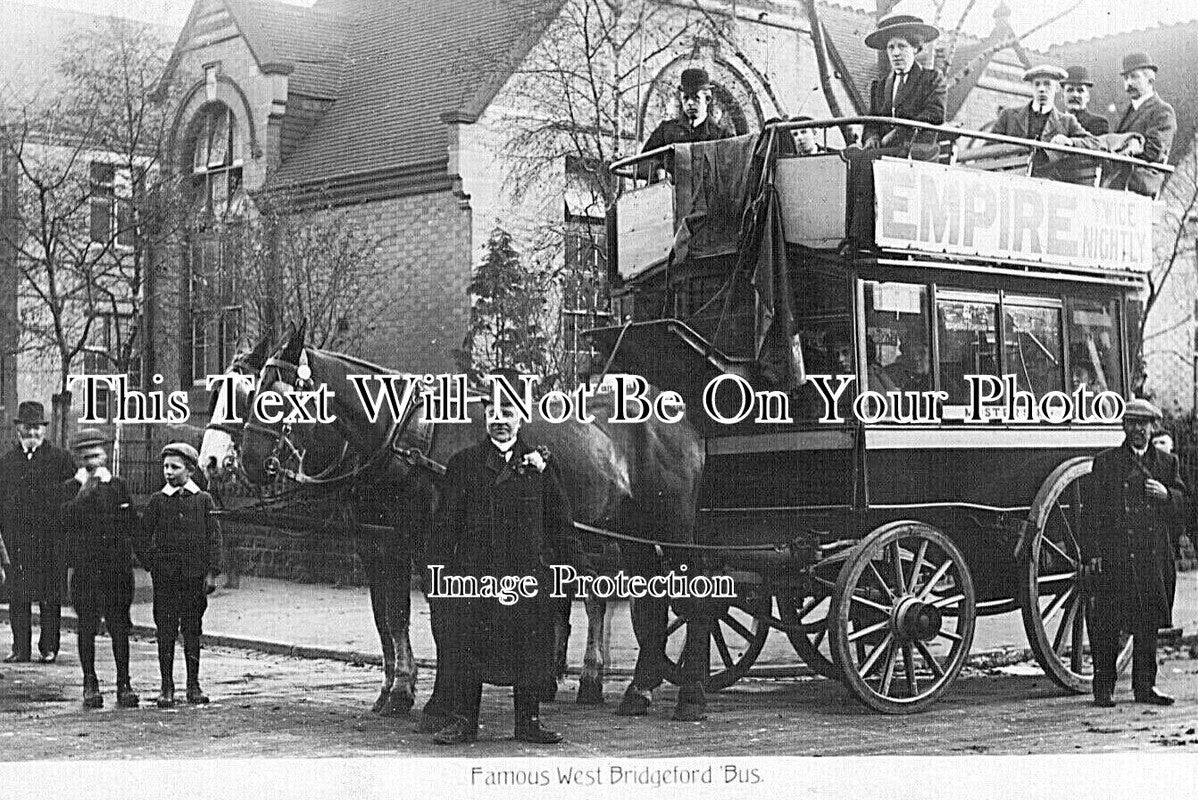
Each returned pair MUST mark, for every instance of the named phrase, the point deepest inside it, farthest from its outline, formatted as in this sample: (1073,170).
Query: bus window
(1034,352)
(897,330)
(1094,347)
(823,326)
(968,333)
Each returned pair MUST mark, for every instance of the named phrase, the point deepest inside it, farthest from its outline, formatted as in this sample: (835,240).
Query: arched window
(217,202)
(216,159)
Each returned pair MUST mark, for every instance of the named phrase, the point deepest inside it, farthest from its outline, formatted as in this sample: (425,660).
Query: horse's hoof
(590,691)
(548,691)
(690,712)
(381,702)
(398,704)
(633,704)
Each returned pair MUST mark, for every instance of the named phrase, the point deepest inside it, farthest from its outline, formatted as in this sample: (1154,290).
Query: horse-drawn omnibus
(873,534)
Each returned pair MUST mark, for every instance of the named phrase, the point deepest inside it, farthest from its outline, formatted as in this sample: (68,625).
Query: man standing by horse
(504,513)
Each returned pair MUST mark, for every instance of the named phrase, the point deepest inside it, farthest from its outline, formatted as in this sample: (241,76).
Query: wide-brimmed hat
(1045,71)
(184,451)
(904,25)
(88,437)
(1078,75)
(1141,409)
(31,412)
(1134,61)
(693,80)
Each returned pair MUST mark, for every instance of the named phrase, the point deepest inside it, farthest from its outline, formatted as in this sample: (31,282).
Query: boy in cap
(98,523)
(1039,120)
(181,548)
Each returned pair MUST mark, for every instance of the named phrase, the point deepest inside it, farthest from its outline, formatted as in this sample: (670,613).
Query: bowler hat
(1140,408)
(1078,75)
(693,80)
(88,437)
(1045,71)
(902,25)
(31,412)
(1134,61)
(184,451)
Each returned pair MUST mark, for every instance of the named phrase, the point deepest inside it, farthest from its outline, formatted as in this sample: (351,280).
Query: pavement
(310,620)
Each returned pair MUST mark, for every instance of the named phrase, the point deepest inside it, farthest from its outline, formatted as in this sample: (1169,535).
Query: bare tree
(88,203)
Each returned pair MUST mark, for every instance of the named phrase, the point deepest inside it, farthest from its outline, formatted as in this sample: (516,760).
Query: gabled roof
(1174,48)
(415,64)
(855,63)
(312,41)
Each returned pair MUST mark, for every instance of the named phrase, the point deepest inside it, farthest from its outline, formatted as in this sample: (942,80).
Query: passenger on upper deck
(909,91)
(693,124)
(1040,121)
(1076,88)
(805,139)
(1150,117)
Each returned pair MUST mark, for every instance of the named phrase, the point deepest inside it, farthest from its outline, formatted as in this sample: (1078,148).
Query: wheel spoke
(944,602)
(1056,577)
(877,626)
(896,556)
(1077,656)
(677,623)
(1072,561)
(718,636)
(869,603)
(819,637)
(1058,642)
(735,624)
(929,659)
(917,568)
(956,637)
(935,579)
(871,662)
(1056,605)
(888,669)
(909,668)
(809,605)
(881,581)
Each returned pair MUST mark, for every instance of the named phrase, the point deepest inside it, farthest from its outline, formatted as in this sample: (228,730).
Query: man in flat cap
(694,122)
(1040,121)
(1132,501)
(1076,88)
(31,474)
(909,91)
(1149,116)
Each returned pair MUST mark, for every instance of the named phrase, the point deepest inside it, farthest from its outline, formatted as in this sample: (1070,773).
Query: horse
(641,479)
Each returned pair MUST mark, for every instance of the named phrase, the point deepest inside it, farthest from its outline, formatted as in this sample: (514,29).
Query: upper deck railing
(948,132)
(969,203)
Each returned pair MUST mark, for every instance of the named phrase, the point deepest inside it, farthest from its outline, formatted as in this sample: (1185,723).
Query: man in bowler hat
(1132,505)
(1076,88)
(1152,119)
(31,476)
(694,122)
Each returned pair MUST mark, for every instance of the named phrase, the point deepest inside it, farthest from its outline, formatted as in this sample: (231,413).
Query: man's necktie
(899,79)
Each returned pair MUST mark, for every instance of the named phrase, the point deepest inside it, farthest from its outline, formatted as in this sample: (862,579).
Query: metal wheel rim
(873,604)
(737,638)
(1050,596)
(804,617)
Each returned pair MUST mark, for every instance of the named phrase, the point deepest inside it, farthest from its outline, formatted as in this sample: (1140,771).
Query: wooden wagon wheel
(1050,595)
(804,616)
(738,634)
(903,616)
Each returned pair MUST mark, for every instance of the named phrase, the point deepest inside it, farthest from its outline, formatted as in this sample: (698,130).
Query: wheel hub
(915,619)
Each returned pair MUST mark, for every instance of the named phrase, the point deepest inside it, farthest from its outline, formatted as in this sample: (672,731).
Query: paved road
(277,706)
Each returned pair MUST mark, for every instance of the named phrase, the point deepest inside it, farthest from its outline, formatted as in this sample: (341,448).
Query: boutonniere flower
(536,459)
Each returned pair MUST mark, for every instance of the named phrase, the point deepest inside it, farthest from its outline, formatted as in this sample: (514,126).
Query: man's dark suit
(29,501)
(1058,166)
(1156,121)
(1093,123)
(921,99)
(1132,591)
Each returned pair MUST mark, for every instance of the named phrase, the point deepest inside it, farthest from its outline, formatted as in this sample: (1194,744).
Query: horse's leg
(590,685)
(438,711)
(561,641)
(695,663)
(649,619)
(399,610)
(369,552)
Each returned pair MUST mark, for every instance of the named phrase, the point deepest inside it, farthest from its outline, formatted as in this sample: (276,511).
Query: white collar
(504,447)
(190,487)
(1141,453)
(1046,110)
(1141,100)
